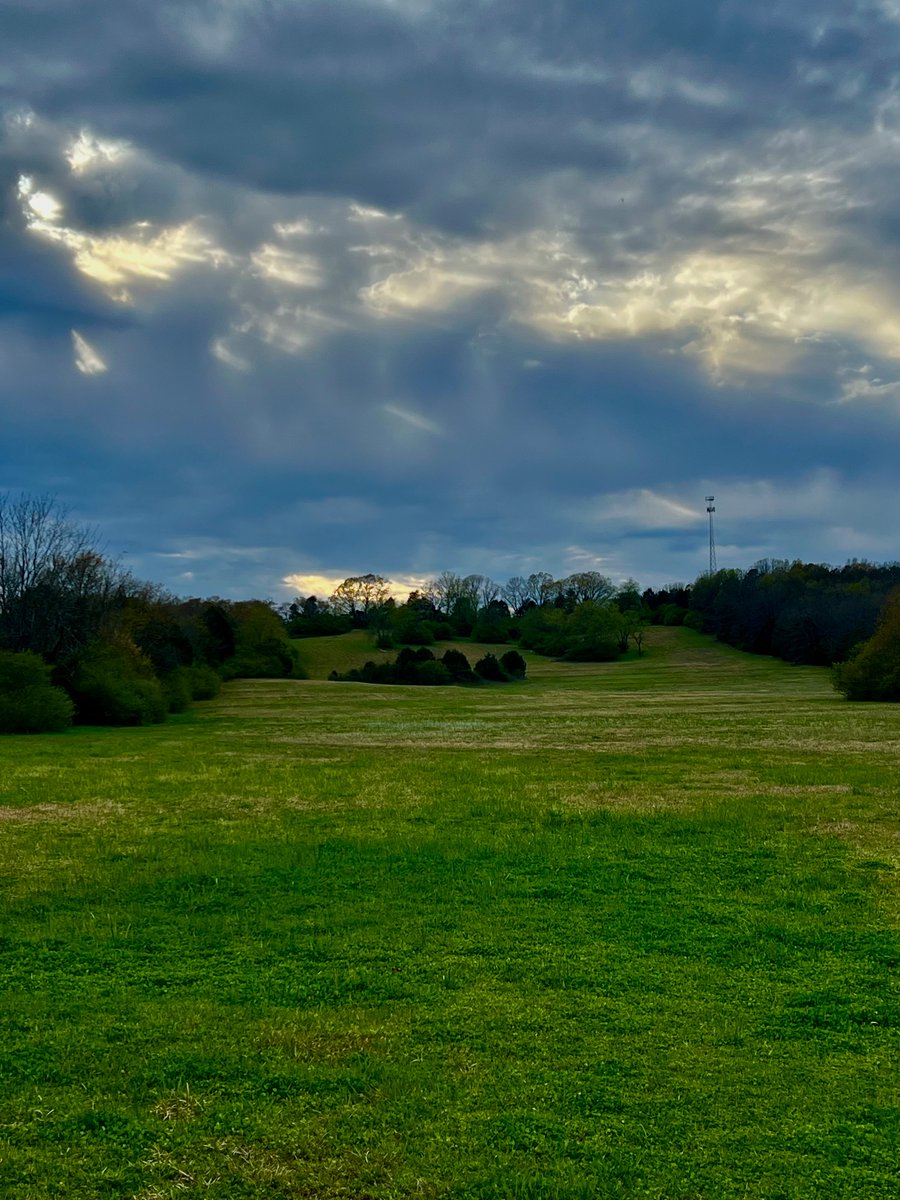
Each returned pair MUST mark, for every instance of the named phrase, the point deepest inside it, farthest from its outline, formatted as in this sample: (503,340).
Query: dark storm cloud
(625,255)
(405,107)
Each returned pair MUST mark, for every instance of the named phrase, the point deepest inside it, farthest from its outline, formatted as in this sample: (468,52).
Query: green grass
(624,930)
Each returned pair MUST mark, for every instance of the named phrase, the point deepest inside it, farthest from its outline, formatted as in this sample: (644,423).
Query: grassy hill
(621,930)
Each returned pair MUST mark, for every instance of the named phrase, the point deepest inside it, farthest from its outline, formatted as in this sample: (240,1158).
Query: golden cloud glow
(747,302)
(322,586)
(738,310)
(139,253)
(87,152)
(37,205)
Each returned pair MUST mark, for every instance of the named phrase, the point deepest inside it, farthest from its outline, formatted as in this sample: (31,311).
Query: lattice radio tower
(711,508)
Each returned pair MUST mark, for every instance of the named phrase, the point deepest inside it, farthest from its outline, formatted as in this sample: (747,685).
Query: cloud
(414,419)
(322,249)
(87,360)
(645,509)
(322,586)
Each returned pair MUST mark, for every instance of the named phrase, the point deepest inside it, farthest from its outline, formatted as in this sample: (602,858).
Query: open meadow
(620,930)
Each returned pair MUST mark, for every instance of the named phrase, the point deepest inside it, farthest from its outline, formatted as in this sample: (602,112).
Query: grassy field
(622,930)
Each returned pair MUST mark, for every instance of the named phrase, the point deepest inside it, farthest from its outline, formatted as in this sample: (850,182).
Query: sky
(292,290)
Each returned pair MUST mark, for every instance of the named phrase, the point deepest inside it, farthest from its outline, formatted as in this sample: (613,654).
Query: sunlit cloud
(87,360)
(416,420)
(592,255)
(862,384)
(87,152)
(737,311)
(141,253)
(642,508)
(279,265)
(39,206)
(223,352)
(742,305)
(323,586)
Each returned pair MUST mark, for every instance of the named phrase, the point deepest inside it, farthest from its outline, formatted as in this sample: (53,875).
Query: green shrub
(29,703)
(458,666)
(432,673)
(204,682)
(488,668)
(514,664)
(114,684)
(176,690)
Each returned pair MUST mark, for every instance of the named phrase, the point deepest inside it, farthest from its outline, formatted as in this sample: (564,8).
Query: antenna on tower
(711,508)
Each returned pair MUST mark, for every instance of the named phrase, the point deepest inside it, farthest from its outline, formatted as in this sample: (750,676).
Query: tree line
(805,613)
(581,616)
(82,639)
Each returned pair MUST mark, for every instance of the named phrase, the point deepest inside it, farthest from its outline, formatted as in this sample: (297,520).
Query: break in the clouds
(290,291)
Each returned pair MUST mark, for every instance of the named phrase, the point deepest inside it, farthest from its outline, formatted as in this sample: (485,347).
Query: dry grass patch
(98,812)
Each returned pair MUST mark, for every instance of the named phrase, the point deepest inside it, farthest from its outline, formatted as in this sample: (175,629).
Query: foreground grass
(624,930)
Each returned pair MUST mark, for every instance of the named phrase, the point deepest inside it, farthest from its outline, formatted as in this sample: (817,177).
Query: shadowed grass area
(622,930)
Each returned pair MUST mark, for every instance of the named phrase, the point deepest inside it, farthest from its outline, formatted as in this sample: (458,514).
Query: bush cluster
(29,703)
(420,667)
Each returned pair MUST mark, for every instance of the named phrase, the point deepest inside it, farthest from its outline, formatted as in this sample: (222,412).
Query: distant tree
(872,672)
(444,591)
(358,594)
(423,604)
(492,623)
(588,585)
(221,632)
(595,633)
(544,629)
(486,590)
(57,590)
(311,617)
(515,592)
(628,596)
(414,623)
(262,649)
(383,624)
